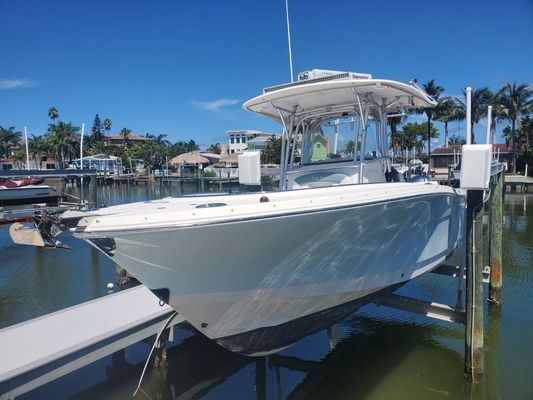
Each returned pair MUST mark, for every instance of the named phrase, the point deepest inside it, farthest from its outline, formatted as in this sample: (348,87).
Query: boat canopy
(339,98)
(321,96)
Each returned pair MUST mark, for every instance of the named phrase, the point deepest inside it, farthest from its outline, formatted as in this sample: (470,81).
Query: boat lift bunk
(43,349)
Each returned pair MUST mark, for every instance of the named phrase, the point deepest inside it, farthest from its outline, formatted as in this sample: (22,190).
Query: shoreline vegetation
(513,103)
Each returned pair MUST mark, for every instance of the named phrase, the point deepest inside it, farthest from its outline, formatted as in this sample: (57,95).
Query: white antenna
(489,121)
(468,115)
(289,37)
(27,150)
(82,194)
(81,145)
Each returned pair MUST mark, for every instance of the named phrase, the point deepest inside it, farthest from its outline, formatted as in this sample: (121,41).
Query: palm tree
(457,140)
(8,137)
(393,123)
(349,148)
(450,109)
(214,148)
(516,100)
(53,114)
(125,133)
(107,125)
(63,140)
(37,147)
(19,156)
(435,92)
(160,139)
(526,126)
(497,115)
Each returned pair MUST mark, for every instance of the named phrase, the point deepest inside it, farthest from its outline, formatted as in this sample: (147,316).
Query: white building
(238,140)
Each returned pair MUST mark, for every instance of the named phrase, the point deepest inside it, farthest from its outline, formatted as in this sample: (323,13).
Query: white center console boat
(257,271)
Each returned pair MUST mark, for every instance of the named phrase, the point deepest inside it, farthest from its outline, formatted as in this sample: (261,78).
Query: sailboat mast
(27,149)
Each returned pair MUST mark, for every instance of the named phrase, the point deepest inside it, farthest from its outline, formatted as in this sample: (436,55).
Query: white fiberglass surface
(183,211)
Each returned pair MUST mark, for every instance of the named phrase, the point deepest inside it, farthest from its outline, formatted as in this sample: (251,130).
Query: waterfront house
(239,140)
(444,157)
(131,140)
(102,163)
(6,164)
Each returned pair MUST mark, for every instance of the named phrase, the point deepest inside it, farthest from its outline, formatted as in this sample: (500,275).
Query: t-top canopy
(338,98)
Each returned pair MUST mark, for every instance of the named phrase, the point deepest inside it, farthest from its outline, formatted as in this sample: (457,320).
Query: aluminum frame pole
(287,149)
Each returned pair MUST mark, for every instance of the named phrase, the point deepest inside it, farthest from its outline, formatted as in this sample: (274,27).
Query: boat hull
(233,280)
(30,194)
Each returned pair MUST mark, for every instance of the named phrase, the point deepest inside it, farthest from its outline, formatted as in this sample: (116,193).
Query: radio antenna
(289,37)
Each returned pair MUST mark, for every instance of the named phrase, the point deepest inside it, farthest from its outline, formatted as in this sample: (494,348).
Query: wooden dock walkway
(514,182)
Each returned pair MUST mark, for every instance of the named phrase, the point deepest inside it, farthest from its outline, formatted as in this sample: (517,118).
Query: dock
(514,182)
(40,350)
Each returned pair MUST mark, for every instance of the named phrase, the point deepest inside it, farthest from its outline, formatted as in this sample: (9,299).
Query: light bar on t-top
(319,75)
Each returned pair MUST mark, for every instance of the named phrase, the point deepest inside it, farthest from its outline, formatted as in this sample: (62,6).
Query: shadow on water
(373,358)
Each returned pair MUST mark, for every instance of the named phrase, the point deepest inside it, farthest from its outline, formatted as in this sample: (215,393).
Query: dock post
(474,284)
(93,191)
(496,228)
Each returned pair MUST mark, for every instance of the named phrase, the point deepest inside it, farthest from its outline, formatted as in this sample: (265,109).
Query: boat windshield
(335,141)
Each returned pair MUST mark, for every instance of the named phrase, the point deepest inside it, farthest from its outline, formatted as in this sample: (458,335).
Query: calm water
(380,353)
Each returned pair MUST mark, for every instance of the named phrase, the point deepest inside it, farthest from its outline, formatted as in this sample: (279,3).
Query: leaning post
(496,233)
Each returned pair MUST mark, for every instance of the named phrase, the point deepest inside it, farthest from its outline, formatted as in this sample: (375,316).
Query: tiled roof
(455,148)
(130,137)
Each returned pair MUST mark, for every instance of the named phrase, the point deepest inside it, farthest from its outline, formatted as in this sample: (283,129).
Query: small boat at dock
(26,191)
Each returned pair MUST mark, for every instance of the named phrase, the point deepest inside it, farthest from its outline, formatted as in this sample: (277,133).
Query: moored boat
(257,271)
(14,194)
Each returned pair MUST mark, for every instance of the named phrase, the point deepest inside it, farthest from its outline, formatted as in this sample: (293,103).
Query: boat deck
(37,351)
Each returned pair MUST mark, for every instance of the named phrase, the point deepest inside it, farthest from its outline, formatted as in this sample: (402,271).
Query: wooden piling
(93,191)
(496,228)
(474,284)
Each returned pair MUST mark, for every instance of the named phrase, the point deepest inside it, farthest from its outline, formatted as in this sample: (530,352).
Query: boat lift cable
(165,326)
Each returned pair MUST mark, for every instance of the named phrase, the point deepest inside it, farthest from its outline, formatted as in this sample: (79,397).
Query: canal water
(376,353)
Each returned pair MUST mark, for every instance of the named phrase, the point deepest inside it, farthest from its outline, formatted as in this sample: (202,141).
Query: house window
(232,140)
(238,140)
(244,139)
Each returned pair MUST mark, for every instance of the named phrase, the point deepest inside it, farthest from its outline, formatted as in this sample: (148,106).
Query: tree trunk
(446,134)
(472,136)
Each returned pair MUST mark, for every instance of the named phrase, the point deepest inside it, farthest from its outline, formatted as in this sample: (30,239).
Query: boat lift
(43,349)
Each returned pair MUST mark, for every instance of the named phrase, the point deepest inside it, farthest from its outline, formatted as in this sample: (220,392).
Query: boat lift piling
(480,259)
(474,284)
(496,232)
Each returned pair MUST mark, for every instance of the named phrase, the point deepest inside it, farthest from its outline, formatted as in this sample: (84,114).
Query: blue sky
(184,68)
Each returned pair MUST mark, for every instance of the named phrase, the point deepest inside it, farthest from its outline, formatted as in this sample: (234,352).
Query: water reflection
(372,359)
